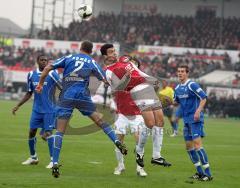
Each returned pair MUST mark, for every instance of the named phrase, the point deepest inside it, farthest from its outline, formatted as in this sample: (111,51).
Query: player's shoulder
(177,87)
(192,84)
(30,74)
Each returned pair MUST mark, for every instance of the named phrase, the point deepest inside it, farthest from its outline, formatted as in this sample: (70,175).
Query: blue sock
(194,158)
(32,145)
(57,145)
(107,129)
(204,160)
(50,140)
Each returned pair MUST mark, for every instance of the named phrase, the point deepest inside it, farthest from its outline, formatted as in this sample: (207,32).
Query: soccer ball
(84,11)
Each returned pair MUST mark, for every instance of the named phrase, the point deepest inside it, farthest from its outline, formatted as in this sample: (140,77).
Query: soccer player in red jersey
(123,75)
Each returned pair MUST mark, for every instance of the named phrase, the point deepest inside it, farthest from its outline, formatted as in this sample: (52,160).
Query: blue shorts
(46,121)
(179,112)
(66,107)
(192,131)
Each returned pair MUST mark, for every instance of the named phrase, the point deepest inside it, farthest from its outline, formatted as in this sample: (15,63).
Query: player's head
(164,83)
(42,61)
(182,73)
(86,47)
(109,53)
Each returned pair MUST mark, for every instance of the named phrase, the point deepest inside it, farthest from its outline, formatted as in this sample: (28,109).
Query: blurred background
(205,34)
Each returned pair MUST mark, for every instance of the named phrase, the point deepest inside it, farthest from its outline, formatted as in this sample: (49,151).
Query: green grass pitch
(89,160)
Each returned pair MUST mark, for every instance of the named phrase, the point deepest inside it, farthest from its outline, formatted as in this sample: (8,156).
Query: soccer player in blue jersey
(43,110)
(192,100)
(75,94)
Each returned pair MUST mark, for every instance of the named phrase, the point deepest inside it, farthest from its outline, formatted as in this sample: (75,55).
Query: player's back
(44,102)
(77,71)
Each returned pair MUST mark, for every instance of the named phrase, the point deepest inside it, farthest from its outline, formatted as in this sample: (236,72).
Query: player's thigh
(86,106)
(121,124)
(49,121)
(36,120)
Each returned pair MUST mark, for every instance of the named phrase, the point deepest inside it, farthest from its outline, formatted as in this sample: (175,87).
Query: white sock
(119,157)
(157,138)
(143,135)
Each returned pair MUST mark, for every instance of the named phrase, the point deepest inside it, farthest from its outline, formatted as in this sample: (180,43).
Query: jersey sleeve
(59,63)
(149,79)
(195,88)
(98,71)
(29,82)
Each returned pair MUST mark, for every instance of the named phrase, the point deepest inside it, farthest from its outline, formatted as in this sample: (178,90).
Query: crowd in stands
(154,64)
(199,31)
(224,106)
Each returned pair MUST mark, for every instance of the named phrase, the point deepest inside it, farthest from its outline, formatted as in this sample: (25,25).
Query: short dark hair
(39,56)
(185,67)
(134,58)
(105,47)
(87,46)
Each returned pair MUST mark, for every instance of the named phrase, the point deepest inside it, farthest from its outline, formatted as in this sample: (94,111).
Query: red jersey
(125,104)
(119,70)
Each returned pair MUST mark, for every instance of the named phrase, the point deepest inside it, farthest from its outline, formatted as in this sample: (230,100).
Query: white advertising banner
(51,45)
(224,92)
(158,50)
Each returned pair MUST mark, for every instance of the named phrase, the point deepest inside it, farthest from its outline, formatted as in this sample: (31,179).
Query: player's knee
(197,145)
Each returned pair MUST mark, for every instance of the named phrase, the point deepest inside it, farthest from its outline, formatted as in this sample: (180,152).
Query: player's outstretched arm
(44,74)
(26,97)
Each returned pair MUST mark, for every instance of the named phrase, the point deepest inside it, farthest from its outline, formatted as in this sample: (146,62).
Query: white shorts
(124,124)
(144,96)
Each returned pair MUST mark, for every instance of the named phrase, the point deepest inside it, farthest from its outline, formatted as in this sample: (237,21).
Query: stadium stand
(200,31)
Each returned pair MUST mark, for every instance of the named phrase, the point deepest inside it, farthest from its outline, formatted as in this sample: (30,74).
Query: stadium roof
(9,28)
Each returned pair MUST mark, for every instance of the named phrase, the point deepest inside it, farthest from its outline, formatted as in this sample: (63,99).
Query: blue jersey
(44,102)
(188,95)
(77,71)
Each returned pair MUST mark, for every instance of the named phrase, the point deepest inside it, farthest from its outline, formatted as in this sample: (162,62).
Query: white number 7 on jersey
(78,65)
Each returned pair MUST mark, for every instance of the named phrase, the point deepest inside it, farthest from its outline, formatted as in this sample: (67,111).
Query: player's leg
(139,130)
(157,135)
(198,131)
(120,127)
(88,108)
(36,122)
(63,117)
(188,137)
(49,125)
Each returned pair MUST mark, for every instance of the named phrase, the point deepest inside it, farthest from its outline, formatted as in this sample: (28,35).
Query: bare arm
(44,74)
(26,97)
(199,109)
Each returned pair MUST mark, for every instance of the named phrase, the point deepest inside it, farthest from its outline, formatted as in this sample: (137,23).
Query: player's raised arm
(59,63)
(44,74)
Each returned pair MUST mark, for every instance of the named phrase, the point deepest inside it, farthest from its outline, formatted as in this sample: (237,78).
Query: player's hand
(15,109)
(197,115)
(39,88)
